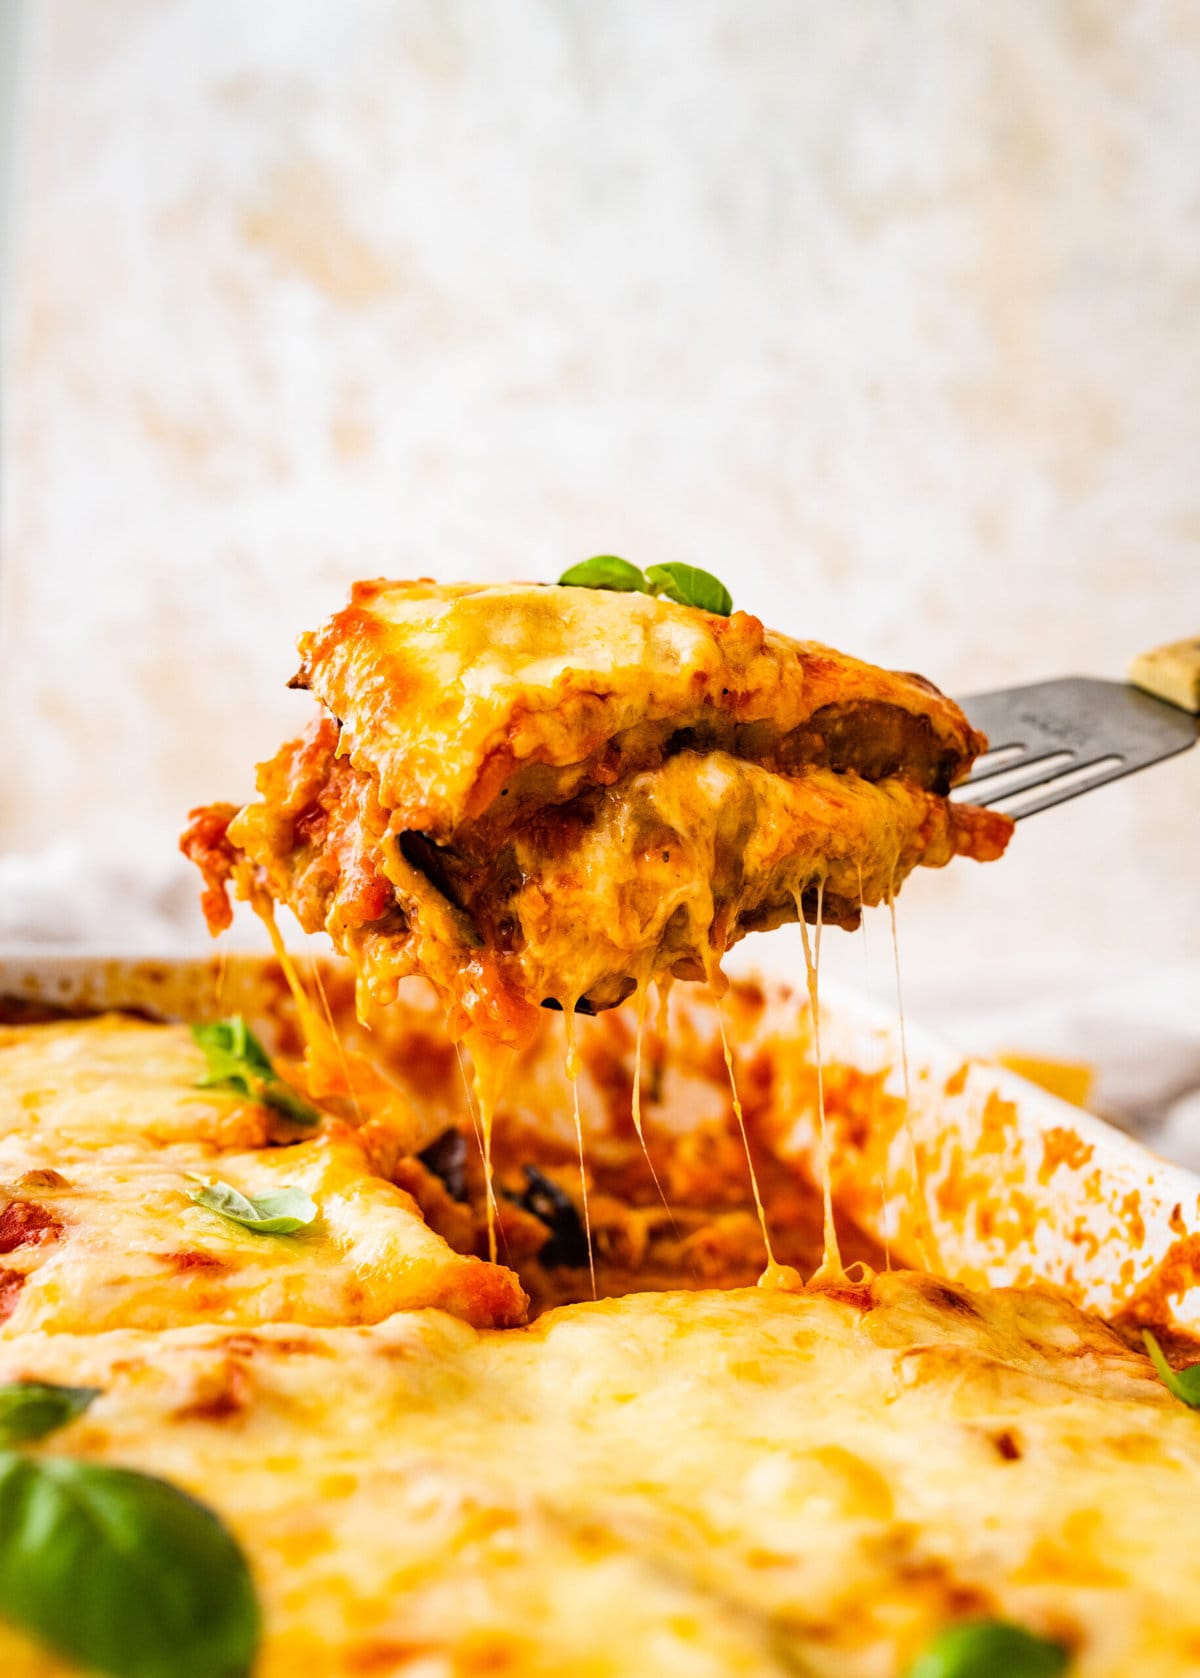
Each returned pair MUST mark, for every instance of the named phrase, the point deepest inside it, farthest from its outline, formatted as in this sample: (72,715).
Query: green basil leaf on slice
(121,1573)
(278,1212)
(32,1409)
(1183,1383)
(605,571)
(990,1649)
(689,586)
(237,1060)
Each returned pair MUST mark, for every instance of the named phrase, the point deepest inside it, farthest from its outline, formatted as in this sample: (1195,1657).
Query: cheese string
(319,987)
(663,984)
(862,927)
(636,1107)
(468,1092)
(776,1275)
(490,1063)
(830,1268)
(572,1063)
(316,1033)
(319,1059)
(310,1023)
(884,1195)
(482,1095)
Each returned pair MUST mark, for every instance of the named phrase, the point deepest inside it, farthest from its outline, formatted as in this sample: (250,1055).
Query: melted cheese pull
(541,796)
(553,797)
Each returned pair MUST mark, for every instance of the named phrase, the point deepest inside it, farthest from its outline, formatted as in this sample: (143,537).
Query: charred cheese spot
(956,1301)
(193,1258)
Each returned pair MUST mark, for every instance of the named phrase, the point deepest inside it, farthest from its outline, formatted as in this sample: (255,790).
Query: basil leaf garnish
(1183,1383)
(987,1648)
(32,1409)
(233,1040)
(122,1573)
(279,1212)
(689,586)
(605,571)
(237,1060)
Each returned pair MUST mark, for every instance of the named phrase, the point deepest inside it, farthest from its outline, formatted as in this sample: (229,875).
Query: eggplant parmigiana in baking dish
(304,1373)
(232,1441)
(557,795)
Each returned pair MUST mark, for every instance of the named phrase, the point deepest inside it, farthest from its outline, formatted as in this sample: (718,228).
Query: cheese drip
(830,1268)
(336,1037)
(636,1103)
(775,1275)
(491,1065)
(884,1195)
(477,1129)
(327,1061)
(572,1065)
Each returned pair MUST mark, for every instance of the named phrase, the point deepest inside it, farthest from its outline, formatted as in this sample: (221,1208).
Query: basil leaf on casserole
(605,571)
(687,585)
(278,1212)
(1183,1384)
(122,1573)
(990,1649)
(237,1060)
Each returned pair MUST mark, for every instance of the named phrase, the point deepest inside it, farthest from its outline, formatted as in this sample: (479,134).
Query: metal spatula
(1054,740)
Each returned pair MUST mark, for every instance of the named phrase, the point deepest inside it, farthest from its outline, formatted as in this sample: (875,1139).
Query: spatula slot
(1014,773)
(995,758)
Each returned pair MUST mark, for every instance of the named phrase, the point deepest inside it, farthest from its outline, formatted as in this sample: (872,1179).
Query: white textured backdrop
(886,312)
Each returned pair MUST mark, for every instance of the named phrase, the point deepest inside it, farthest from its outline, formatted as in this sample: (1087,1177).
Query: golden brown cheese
(102,1136)
(445,693)
(692,1486)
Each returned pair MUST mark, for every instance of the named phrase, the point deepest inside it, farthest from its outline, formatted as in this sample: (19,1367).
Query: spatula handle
(1171,673)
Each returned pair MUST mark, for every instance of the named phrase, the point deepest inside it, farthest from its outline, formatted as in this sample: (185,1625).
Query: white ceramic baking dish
(1018,1186)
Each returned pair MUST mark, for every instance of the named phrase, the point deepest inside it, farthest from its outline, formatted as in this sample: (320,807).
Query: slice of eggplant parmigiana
(555,795)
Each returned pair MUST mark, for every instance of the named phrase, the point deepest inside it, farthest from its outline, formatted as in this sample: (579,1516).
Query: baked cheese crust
(698,1483)
(103,1134)
(693,1486)
(448,693)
